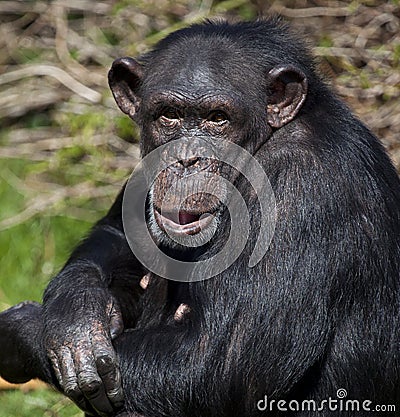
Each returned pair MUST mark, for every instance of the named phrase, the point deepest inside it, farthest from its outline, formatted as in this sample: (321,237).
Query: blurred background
(65,148)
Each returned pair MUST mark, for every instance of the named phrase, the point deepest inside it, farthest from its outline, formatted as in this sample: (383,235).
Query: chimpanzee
(316,318)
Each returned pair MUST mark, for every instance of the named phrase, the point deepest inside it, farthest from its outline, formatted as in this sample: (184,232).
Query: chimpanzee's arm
(86,306)
(23,357)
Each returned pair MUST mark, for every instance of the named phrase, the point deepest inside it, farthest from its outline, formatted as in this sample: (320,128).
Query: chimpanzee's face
(189,106)
(194,115)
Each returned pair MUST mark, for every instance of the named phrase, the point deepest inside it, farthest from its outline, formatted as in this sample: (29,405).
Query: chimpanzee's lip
(189,223)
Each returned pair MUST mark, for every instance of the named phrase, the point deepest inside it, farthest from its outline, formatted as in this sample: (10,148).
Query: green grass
(32,250)
(40,403)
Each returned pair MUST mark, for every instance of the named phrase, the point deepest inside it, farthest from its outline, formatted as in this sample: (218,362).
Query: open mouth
(182,222)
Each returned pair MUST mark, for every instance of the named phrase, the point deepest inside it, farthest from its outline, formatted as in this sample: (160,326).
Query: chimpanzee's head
(200,87)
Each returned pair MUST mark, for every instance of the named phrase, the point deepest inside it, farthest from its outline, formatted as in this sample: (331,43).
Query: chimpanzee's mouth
(182,222)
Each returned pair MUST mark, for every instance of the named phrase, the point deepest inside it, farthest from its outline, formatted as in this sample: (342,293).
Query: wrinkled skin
(86,378)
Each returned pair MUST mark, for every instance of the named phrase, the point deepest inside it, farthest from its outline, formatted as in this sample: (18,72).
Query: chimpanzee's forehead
(197,65)
(188,79)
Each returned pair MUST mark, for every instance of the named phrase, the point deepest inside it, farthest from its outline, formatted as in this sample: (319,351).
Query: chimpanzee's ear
(287,93)
(124,78)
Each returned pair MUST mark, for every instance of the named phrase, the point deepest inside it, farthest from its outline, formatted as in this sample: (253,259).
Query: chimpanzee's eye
(218,117)
(170,114)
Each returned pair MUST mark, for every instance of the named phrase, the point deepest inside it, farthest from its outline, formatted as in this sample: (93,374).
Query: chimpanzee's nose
(189,166)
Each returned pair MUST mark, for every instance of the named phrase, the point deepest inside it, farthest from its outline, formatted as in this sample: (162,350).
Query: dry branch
(312,11)
(22,7)
(55,72)
(45,202)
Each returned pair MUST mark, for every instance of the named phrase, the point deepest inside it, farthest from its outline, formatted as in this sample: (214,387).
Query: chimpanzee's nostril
(185,166)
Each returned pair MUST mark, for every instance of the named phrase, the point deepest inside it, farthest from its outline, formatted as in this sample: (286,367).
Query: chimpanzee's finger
(107,367)
(95,394)
(88,378)
(68,376)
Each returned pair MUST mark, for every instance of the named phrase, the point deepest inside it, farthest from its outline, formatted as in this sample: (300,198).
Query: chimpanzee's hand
(79,328)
